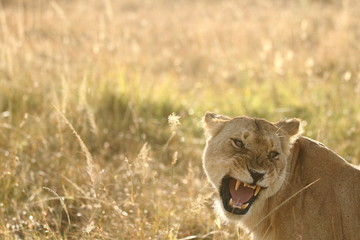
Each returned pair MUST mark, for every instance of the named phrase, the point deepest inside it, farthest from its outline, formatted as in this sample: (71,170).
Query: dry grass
(113,71)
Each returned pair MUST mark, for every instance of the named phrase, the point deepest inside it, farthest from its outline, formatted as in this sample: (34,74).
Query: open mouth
(237,197)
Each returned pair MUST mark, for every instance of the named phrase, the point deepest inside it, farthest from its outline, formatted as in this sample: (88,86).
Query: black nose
(256,175)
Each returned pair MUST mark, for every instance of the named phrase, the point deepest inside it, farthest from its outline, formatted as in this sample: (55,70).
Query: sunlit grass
(87,88)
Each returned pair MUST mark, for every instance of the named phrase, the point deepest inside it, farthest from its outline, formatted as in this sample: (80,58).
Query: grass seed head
(174,121)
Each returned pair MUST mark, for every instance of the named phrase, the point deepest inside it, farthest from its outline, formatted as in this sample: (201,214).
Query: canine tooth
(245,206)
(257,190)
(231,202)
(237,185)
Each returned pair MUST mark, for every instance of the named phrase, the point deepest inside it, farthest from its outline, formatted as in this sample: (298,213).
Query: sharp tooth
(257,190)
(245,206)
(246,185)
(231,202)
(237,185)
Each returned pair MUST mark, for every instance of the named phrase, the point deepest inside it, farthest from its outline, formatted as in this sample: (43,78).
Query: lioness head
(245,159)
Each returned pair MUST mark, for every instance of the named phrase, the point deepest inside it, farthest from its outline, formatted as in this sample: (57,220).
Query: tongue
(240,196)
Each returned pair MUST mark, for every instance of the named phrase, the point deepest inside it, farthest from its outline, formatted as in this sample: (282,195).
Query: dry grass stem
(91,167)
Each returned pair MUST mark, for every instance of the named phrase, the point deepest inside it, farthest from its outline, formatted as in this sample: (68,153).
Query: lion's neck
(257,223)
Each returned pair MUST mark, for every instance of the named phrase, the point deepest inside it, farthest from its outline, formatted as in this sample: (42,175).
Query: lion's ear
(293,127)
(213,123)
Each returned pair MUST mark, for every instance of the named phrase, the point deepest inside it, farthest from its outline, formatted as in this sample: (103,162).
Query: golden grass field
(87,86)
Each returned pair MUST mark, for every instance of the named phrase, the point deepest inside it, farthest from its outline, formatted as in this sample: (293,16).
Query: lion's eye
(237,143)
(274,155)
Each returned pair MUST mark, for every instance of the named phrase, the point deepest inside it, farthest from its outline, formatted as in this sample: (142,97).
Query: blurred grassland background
(114,70)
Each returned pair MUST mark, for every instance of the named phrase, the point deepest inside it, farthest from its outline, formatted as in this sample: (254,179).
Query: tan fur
(328,209)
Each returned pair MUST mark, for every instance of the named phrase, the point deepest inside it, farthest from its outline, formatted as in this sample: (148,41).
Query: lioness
(277,184)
